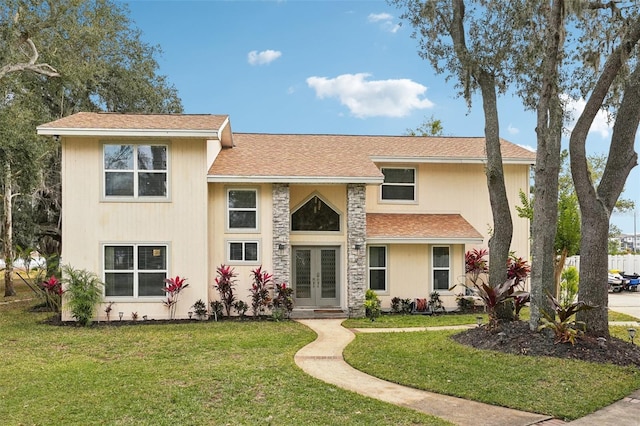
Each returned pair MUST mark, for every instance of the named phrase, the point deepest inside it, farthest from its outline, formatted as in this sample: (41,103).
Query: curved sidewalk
(323,359)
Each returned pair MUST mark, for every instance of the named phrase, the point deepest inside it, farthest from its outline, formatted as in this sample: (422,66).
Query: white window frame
(255,209)
(135,171)
(384,268)
(440,268)
(135,271)
(244,252)
(414,184)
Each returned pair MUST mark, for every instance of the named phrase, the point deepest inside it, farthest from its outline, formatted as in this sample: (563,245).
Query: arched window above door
(315,215)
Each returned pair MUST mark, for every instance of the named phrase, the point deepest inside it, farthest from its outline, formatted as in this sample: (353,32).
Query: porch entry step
(318,313)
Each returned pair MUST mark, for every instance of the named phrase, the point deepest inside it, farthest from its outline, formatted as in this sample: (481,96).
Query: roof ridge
(360,135)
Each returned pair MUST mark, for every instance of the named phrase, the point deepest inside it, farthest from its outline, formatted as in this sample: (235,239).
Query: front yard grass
(222,373)
(398,320)
(432,361)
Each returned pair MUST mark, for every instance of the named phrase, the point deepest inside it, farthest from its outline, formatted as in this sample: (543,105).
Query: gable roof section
(339,158)
(294,158)
(384,228)
(159,125)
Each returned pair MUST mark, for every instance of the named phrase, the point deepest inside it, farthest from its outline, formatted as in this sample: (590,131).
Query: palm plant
(83,292)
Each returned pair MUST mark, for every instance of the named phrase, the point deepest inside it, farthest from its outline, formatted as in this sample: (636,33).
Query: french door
(316,276)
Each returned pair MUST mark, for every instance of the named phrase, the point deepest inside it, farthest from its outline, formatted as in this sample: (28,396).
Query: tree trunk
(593,270)
(500,241)
(7,232)
(547,168)
(596,205)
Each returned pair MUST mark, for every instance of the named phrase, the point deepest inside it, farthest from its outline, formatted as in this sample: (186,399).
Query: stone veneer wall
(356,258)
(281,226)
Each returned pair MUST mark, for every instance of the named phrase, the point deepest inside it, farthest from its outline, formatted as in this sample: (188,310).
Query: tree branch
(42,68)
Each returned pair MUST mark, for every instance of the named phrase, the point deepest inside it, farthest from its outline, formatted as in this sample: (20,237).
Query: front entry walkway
(323,359)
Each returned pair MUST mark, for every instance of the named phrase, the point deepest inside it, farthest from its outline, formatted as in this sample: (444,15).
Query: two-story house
(147,197)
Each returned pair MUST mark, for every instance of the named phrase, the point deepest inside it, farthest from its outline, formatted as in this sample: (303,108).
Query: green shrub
(435,302)
(217,308)
(569,285)
(396,305)
(241,307)
(561,322)
(465,303)
(200,309)
(283,301)
(371,305)
(407,305)
(83,292)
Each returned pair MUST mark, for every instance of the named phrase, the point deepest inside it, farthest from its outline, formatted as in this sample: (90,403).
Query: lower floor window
(441,268)
(378,268)
(135,270)
(243,251)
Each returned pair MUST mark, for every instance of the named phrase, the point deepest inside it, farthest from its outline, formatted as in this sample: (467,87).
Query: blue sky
(338,67)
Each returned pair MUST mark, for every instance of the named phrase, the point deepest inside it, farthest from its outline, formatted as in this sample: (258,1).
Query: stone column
(356,250)
(281,227)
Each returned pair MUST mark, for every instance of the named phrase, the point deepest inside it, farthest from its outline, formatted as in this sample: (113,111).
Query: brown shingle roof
(102,120)
(324,156)
(388,226)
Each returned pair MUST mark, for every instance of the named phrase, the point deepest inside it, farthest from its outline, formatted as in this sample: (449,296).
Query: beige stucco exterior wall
(447,188)
(409,273)
(219,236)
(462,189)
(181,222)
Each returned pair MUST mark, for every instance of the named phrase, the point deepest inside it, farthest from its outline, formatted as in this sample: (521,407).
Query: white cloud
(385,20)
(376,98)
(377,17)
(264,57)
(602,123)
(512,130)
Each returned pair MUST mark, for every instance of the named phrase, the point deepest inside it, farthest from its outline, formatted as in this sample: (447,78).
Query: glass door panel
(315,276)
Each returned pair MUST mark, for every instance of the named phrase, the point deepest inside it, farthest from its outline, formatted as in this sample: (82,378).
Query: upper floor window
(134,270)
(315,215)
(242,209)
(399,184)
(135,171)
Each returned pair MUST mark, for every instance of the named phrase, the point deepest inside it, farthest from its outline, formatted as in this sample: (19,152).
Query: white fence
(627,263)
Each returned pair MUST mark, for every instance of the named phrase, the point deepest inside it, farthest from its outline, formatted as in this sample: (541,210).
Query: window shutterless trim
(413,184)
(384,268)
(440,268)
(135,271)
(254,209)
(136,172)
(244,244)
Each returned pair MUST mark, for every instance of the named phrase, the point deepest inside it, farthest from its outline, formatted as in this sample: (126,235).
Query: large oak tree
(57,58)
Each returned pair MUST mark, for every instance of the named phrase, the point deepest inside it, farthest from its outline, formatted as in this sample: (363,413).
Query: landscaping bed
(518,339)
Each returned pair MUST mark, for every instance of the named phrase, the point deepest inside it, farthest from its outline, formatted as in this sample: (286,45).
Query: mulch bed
(519,340)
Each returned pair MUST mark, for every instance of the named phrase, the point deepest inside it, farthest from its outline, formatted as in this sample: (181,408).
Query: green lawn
(190,374)
(430,360)
(244,373)
(397,320)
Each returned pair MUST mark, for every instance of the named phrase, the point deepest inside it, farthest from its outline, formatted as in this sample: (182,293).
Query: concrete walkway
(323,359)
